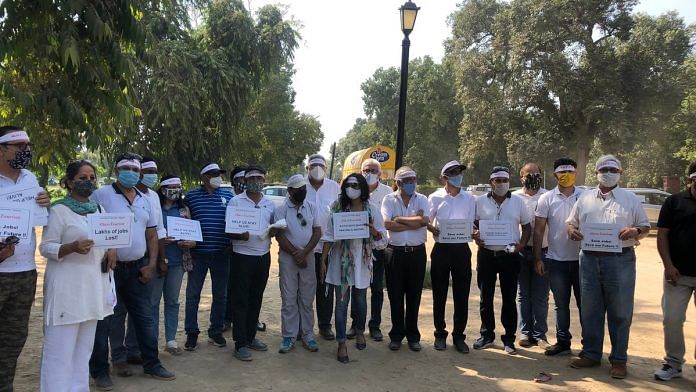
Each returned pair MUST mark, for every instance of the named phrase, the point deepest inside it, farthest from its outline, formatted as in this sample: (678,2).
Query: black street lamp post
(409,11)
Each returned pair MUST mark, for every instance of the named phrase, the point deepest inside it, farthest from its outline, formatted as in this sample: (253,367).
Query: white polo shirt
(323,198)
(297,234)
(376,198)
(531,203)
(23,258)
(619,207)
(445,206)
(154,200)
(112,199)
(393,206)
(512,209)
(255,246)
(555,207)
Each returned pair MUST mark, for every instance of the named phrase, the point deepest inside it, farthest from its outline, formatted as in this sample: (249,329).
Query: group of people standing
(99,301)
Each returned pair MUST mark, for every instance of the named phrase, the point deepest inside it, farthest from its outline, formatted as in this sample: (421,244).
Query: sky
(343,43)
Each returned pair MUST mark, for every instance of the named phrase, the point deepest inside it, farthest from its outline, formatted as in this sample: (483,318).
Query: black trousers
(250,275)
(490,266)
(324,300)
(405,272)
(454,260)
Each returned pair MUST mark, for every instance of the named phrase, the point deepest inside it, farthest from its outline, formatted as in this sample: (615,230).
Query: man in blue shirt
(207,205)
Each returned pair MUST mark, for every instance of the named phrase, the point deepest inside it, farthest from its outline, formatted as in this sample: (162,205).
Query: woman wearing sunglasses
(347,263)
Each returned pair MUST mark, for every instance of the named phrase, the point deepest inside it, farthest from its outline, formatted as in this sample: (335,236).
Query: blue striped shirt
(209,209)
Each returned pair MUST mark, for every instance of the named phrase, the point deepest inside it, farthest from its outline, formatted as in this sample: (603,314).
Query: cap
(212,167)
(450,165)
(296,181)
(253,171)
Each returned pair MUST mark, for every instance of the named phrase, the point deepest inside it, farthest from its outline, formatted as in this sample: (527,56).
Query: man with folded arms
(607,279)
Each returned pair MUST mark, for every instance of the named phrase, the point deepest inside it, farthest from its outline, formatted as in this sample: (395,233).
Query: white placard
(350,225)
(25,195)
(239,220)
(184,229)
(15,220)
(495,232)
(600,237)
(454,231)
(111,230)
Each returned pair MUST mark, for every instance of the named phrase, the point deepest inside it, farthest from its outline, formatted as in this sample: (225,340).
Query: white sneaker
(510,349)
(667,373)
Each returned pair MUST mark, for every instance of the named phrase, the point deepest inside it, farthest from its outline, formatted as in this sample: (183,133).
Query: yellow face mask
(566,179)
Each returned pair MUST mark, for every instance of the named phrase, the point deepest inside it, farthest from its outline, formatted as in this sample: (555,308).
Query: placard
(184,229)
(239,220)
(350,225)
(600,237)
(111,230)
(495,232)
(15,221)
(454,231)
(25,195)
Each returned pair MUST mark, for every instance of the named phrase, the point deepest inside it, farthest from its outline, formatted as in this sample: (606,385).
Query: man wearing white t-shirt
(507,211)
(17,267)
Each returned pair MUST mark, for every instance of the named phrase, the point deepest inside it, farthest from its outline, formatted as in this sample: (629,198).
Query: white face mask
(215,182)
(317,173)
(501,189)
(353,193)
(371,178)
(608,180)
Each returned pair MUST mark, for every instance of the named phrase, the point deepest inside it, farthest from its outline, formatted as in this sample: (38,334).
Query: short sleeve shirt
(209,209)
(555,207)
(23,258)
(445,206)
(255,246)
(678,214)
(298,234)
(512,209)
(531,203)
(323,198)
(393,207)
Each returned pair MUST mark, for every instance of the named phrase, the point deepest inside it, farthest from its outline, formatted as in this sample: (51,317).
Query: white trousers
(298,287)
(65,357)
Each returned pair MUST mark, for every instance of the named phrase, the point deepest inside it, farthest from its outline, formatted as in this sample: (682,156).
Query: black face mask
(21,160)
(532,181)
(239,188)
(298,195)
(83,188)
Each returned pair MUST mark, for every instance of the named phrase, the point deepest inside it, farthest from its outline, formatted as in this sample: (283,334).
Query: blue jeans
(359,306)
(135,298)
(608,285)
(532,298)
(564,276)
(219,266)
(169,286)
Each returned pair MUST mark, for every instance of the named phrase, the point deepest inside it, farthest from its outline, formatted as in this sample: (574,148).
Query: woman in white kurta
(347,264)
(76,291)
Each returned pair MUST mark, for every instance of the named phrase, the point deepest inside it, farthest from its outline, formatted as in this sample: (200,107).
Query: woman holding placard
(353,227)
(175,258)
(78,288)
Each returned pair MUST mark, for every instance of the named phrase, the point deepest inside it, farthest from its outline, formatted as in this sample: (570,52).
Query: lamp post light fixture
(409,11)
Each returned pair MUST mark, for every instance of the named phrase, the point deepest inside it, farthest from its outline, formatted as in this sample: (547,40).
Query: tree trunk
(583,155)
(43,175)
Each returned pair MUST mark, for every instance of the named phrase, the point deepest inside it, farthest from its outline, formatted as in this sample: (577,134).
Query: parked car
(652,200)
(276,193)
(480,189)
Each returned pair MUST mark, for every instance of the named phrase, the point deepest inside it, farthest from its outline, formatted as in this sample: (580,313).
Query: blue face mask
(410,189)
(456,181)
(128,178)
(149,180)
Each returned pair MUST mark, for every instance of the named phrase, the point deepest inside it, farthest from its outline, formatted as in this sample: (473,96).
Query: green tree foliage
(539,79)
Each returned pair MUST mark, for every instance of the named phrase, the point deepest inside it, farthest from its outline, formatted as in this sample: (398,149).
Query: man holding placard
(499,214)
(248,217)
(452,215)
(17,267)
(608,221)
(135,268)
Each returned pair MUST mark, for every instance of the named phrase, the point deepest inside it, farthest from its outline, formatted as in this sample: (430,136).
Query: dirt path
(378,369)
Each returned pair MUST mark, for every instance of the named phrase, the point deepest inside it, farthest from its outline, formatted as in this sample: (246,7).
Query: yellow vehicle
(384,155)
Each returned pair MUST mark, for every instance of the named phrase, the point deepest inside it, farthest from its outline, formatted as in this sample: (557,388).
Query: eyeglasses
(501,180)
(353,185)
(608,170)
(301,218)
(20,146)
(370,171)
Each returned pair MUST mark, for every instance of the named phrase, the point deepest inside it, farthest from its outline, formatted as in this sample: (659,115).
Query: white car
(276,193)
(652,200)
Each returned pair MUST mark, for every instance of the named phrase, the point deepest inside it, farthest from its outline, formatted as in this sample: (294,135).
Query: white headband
(253,173)
(171,181)
(405,174)
(499,174)
(692,175)
(128,162)
(148,165)
(17,136)
(352,180)
(564,168)
(609,163)
(212,166)
(316,161)
(240,174)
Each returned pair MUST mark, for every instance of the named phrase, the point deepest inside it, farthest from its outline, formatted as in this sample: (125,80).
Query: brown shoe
(618,371)
(527,342)
(121,369)
(583,362)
